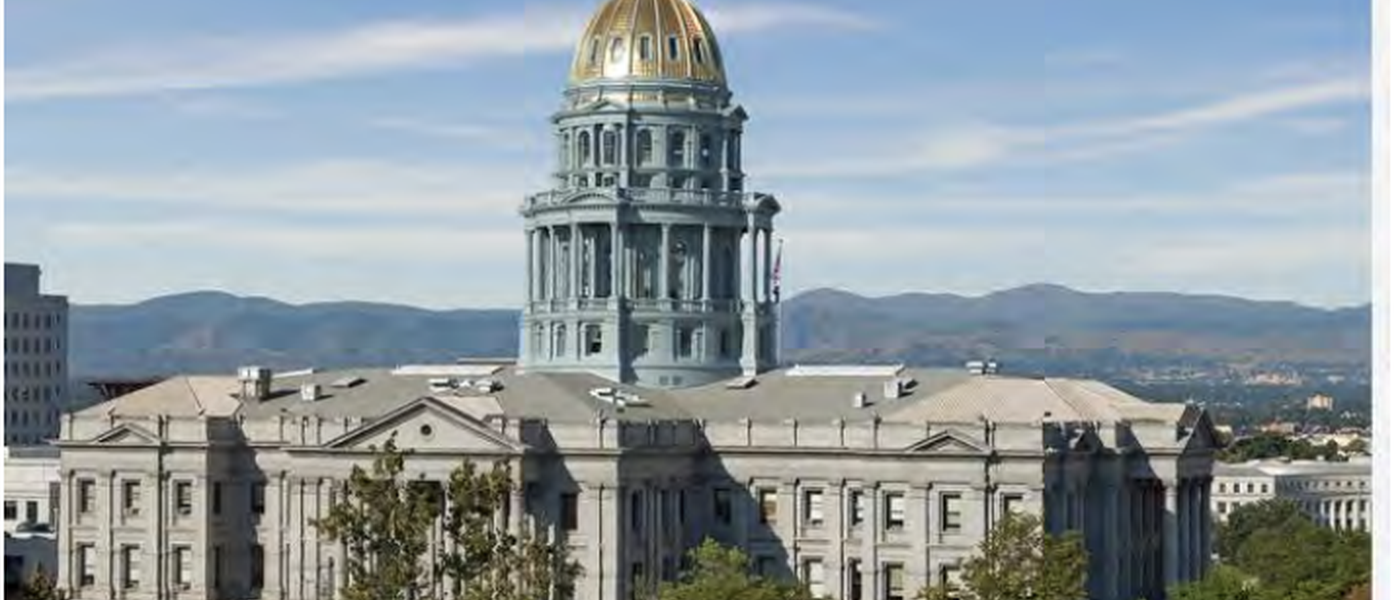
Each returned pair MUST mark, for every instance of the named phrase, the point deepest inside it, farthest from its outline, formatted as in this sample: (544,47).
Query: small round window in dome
(426,430)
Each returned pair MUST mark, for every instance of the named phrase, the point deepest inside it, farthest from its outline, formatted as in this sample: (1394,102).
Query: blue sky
(362,149)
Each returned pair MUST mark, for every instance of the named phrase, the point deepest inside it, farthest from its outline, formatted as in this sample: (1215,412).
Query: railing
(638,196)
(648,305)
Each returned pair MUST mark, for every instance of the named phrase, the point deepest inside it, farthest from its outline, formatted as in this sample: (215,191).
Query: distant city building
(36,357)
(646,410)
(1284,428)
(1320,402)
(1334,494)
(31,510)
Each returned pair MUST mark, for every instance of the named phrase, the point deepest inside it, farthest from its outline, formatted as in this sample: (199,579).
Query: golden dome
(648,40)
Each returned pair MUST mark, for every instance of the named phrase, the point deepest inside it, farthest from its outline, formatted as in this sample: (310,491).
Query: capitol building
(647,409)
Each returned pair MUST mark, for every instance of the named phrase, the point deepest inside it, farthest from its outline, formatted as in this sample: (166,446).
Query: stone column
(706,264)
(529,267)
(1111,531)
(753,261)
(575,252)
(1171,542)
(916,511)
(767,294)
(1207,527)
(617,258)
(664,258)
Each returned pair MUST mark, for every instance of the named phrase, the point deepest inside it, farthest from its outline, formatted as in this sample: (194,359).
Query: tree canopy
(385,521)
(1018,560)
(718,571)
(40,586)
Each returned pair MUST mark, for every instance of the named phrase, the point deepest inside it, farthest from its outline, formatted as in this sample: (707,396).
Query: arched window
(609,147)
(675,150)
(698,48)
(673,48)
(644,150)
(593,53)
(561,337)
(617,51)
(644,47)
(585,149)
(564,151)
(706,151)
(537,340)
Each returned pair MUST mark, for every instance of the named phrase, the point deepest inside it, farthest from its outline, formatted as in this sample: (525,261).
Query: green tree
(1288,557)
(1018,560)
(1250,518)
(1220,583)
(717,571)
(385,521)
(40,586)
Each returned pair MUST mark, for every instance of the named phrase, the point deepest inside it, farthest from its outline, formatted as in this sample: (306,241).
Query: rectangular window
(87,495)
(644,47)
(768,506)
(894,511)
(11,510)
(568,511)
(857,508)
(131,567)
(31,511)
(131,497)
(948,576)
(894,581)
(812,507)
(180,567)
(259,500)
(593,340)
(685,342)
(814,575)
(724,510)
(1249,488)
(951,512)
(218,559)
(255,560)
(1010,503)
(856,588)
(184,498)
(87,565)
(216,498)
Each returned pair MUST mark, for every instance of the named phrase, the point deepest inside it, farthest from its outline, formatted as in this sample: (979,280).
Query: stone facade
(1334,494)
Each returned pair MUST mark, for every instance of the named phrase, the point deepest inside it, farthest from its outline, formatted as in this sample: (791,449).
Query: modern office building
(36,357)
(645,411)
(1334,494)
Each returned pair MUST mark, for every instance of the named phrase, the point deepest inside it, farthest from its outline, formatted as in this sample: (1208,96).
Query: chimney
(254,383)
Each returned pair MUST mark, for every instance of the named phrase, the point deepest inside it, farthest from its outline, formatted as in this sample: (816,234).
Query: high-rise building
(36,357)
(645,411)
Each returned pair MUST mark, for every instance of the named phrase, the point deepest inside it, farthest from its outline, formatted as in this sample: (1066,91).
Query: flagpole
(778,307)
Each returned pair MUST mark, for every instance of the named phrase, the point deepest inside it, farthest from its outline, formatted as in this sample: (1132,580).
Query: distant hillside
(1040,328)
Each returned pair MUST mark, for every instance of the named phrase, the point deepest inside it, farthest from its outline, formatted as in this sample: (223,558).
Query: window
(180,567)
(1249,488)
(644,47)
(644,147)
(31,511)
(592,339)
(216,495)
(585,149)
(685,341)
(673,48)
(184,498)
(724,345)
(568,511)
(11,510)
(131,497)
(593,52)
(855,589)
(706,152)
(218,560)
(617,50)
(948,576)
(87,565)
(1264,487)
(768,506)
(951,512)
(1236,488)
(258,501)
(255,561)
(1010,503)
(131,566)
(561,336)
(894,581)
(724,510)
(675,149)
(812,513)
(894,510)
(698,49)
(87,495)
(814,575)
(857,508)
(609,147)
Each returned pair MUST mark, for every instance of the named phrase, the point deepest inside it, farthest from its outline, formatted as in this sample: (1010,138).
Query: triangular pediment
(427,424)
(1203,435)
(948,442)
(127,434)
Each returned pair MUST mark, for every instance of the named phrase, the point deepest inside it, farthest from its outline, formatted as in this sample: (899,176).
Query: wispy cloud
(984,145)
(196,64)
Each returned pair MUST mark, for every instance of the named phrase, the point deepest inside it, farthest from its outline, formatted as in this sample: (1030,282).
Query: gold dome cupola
(648,40)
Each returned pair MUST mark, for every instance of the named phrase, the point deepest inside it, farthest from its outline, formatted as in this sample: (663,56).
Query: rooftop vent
(347,382)
(254,383)
(982,367)
(310,392)
(859,401)
(894,388)
(617,398)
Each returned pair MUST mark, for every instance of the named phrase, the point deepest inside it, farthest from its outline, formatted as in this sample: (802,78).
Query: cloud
(987,145)
(370,49)
(465,132)
(323,186)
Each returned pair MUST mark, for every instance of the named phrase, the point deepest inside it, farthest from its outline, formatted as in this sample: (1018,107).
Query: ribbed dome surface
(648,40)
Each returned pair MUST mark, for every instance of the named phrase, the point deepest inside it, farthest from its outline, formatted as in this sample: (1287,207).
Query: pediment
(948,442)
(427,424)
(590,197)
(1203,435)
(127,434)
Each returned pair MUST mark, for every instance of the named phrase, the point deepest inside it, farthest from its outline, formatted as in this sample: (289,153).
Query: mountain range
(1040,329)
